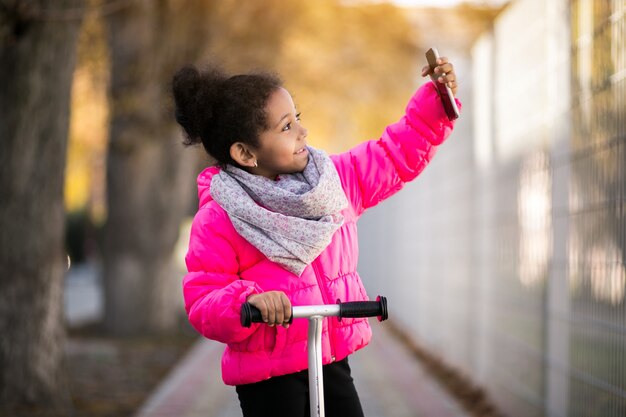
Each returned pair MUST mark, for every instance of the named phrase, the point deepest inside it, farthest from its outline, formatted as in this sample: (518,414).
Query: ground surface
(112,377)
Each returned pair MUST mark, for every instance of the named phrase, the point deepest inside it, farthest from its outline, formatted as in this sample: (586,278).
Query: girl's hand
(275,307)
(444,72)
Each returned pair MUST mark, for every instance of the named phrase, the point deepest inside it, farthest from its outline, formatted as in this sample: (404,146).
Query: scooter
(315,313)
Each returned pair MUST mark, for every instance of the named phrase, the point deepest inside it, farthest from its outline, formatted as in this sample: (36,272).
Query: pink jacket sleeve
(374,170)
(212,288)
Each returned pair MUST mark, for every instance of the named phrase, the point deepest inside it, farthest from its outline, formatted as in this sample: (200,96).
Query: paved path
(390,382)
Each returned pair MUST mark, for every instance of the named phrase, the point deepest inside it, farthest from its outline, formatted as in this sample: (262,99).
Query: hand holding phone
(445,93)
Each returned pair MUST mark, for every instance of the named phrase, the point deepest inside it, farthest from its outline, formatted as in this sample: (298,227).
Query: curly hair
(217,110)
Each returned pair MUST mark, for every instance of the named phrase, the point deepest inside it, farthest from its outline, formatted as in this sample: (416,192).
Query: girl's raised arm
(377,169)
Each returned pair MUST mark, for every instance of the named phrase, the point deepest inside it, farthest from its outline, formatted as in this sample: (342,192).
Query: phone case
(445,93)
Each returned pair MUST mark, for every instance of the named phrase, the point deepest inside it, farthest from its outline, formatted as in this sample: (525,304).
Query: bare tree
(37,56)
(149,176)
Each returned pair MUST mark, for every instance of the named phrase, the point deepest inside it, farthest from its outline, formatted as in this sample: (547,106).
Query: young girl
(277,226)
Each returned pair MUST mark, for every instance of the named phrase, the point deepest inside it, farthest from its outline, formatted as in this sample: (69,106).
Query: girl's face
(282,147)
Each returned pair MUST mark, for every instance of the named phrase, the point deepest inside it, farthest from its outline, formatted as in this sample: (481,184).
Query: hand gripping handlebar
(352,309)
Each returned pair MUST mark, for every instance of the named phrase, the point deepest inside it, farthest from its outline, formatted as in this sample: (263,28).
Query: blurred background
(503,262)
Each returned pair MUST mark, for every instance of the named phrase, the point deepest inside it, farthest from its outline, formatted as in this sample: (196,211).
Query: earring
(256,165)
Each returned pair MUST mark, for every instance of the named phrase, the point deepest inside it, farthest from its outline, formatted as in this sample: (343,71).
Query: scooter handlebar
(353,309)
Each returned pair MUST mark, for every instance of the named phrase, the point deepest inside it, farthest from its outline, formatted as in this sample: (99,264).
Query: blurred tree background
(350,69)
(129,182)
(37,57)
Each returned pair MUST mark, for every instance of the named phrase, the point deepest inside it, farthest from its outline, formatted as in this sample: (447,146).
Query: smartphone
(445,93)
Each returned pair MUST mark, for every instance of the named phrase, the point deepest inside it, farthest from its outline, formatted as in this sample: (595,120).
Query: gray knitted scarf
(290,220)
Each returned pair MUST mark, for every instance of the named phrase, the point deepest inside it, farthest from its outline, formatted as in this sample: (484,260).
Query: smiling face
(282,147)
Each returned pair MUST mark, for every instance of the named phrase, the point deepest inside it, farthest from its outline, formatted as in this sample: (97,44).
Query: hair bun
(195,94)
(185,86)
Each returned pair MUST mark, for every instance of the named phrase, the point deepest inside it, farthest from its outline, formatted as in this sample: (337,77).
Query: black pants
(288,395)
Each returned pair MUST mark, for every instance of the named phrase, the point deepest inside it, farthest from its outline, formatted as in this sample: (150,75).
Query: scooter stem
(316,380)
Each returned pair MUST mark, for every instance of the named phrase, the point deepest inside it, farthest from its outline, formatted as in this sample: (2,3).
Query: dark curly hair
(217,110)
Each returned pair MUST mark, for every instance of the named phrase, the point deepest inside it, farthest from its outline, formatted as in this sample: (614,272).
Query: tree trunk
(37,57)
(149,173)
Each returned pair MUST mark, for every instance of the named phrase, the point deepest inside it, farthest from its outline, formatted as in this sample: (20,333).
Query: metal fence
(510,247)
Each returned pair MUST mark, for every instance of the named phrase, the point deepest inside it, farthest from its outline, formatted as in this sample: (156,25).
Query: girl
(277,226)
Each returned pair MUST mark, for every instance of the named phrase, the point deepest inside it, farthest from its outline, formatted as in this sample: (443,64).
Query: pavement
(389,380)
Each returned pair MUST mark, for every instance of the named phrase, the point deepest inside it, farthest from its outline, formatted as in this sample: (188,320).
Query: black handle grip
(250,314)
(355,309)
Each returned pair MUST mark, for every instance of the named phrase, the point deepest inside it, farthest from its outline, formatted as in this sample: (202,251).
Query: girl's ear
(243,154)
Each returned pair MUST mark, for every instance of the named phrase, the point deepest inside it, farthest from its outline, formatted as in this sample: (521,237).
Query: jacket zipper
(331,336)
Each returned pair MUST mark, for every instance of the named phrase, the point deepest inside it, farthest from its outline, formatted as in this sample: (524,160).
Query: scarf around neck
(290,220)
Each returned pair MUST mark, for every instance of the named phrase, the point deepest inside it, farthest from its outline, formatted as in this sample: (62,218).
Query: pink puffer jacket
(224,268)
